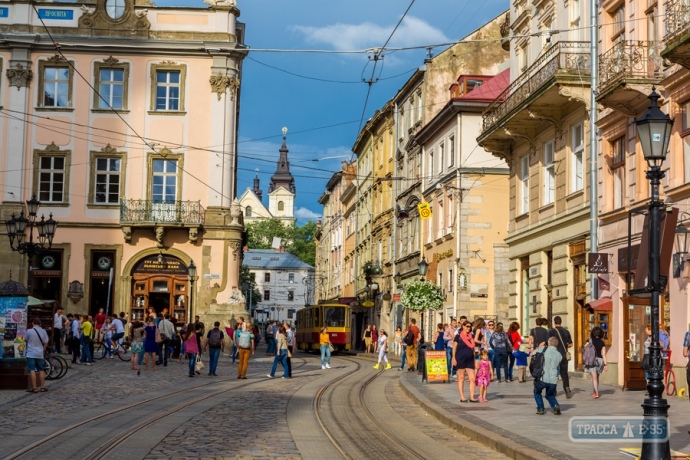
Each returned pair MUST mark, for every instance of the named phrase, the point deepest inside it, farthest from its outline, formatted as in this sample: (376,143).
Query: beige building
(539,126)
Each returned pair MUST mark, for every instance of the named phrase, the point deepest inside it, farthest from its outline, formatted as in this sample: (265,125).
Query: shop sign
(57,14)
(444,255)
(51,273)
(212,276)
(347,300)
(436,366)
(168,266)
(597,262)
(396,297)
(604,285)
(424,210)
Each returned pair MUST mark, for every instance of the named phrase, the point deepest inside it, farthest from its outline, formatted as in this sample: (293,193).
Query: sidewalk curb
(491,439)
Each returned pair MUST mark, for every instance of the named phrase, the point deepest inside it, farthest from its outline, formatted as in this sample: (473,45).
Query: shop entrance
(636,316)
(160,283)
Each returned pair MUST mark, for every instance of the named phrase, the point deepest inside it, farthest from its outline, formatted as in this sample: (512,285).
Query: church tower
(257,187)
(281,191)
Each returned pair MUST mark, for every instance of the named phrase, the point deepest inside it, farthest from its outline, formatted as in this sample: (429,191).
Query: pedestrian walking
(58,330)
(600,364)
(374,338)
(686,354)
(539,334)
(167,329)
(270,345)
(448,336)
(412,347)
(215,345)
(463,361)
(564,342)
(515,341)
(150,344)
(485,374)
(549,378)
(367,339)
(501,346)
(281,355)
(439,341)
(36,342)
(325,348)
(290,335)
(383,349)
(191,347)
(245,346)
(136,336)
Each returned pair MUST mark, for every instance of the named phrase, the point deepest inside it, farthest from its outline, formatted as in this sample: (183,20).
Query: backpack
(499,340)
(589,355)
(536,365)
(245,339)
(409,338)
(269,331)
(214,339)
(68,334)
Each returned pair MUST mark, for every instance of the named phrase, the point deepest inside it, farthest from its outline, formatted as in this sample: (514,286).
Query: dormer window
(115,8)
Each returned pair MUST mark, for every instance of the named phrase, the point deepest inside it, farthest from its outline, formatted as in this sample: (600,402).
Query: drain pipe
(593,215)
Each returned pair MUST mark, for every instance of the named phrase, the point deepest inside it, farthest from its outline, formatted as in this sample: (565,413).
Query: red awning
(600,305)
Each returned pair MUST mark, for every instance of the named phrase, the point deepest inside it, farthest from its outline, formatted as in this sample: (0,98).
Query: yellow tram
(312,318)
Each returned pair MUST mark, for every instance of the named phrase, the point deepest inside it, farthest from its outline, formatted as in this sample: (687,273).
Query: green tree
(247,279)
(298,241)
(303,244)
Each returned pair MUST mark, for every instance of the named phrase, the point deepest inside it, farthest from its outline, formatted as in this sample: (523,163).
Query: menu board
(13,320)
(436,365)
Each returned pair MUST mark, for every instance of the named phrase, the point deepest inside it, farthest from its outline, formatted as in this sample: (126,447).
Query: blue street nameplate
(4,12)
(56,14)
(618,429)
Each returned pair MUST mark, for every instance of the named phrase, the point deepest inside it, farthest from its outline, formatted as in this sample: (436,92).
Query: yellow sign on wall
(424,210)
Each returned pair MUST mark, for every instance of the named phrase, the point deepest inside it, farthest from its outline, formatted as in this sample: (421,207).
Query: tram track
(39,446)
(386,440)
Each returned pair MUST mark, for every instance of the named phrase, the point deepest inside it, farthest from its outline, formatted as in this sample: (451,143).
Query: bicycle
(122,351)
(55,367)
(669,375)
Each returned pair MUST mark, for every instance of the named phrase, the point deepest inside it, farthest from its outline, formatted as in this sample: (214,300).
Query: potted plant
(422,296)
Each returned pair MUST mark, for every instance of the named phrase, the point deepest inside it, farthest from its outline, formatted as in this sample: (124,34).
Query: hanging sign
(424,210)
(597,262)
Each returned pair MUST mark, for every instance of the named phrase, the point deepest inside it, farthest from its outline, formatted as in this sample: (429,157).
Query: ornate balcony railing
(677,19)
(629,60)
(572,57)
(174,212)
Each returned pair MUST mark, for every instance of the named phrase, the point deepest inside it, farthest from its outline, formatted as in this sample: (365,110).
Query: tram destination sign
(167,266)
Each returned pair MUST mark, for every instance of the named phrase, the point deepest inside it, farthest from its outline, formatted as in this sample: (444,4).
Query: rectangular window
(267,277)
(419,106)
(164,181)
(451,150)
(267,295)
(51,179)
(450,209)
(619,24)
(57,86)
(578,149)
(168,90)
(291,296)
(685,135)
(441,158)
(111,88)
(524,185)
(291,278)
(523,58)
(618,172)
(575,22)
(451,281)
(549,173)
(431,165)
(441,229)
(107,181)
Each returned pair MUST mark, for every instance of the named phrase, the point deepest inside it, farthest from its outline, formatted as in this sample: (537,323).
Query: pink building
(127,136)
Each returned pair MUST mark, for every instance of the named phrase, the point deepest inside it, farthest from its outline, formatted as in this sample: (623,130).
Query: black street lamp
(682,248)
(16,227)
(191,271)
(654,131)
(422,266)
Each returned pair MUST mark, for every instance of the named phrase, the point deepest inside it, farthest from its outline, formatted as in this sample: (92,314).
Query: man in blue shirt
(548,381)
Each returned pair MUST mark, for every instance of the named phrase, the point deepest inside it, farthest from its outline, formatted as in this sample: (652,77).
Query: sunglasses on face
(466,325)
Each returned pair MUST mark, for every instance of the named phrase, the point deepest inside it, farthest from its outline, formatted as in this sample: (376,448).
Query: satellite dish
(276,242)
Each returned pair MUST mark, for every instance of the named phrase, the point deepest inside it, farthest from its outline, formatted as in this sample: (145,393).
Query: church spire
(282,176)
(257,188)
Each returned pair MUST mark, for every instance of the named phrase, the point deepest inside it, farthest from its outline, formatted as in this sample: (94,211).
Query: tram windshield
(334,316)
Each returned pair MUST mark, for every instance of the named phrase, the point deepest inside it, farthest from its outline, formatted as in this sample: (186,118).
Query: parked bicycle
(55,366)
(669,375)
(121,350)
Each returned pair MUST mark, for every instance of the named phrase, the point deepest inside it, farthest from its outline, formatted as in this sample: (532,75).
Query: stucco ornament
(127,233)
(193,234)
(236,297)
(220,83)
(19,76)
(221,3)
(75,292)
(160,235)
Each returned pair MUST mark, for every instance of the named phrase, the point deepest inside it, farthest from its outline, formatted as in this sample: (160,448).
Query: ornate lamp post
(654,131)
(191,270)
(16,227)
(422,266)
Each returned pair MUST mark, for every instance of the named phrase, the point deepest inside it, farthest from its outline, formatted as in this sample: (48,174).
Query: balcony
(161,216)
(626,73)
(560,75)
(677,38)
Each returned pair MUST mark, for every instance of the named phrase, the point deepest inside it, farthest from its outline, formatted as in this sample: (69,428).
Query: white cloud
(304,213)
(412,32)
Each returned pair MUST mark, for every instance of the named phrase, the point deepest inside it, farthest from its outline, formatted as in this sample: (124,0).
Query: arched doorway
(160,282)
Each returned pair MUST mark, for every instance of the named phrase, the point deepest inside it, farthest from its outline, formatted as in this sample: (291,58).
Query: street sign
(598,262)
(212,276)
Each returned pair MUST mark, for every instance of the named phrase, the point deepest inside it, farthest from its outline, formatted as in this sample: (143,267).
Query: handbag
(331,348)
(198,366)
(646,362)
(159,339)
(568,356)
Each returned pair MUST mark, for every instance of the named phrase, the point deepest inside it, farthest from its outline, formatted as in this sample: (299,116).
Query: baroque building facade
(104,137)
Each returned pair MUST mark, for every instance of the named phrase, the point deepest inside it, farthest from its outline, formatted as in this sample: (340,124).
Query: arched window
(281,206)
(248,211)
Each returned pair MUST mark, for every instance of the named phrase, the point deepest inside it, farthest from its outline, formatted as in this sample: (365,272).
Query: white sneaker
(323,367)
(88,364)
(269,376)
(328,366)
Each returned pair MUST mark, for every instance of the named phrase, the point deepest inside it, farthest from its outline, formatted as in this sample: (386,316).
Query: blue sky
(286,88)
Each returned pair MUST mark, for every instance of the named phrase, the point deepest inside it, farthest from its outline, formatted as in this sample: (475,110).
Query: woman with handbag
(383,348)
(325,347)
(151,343)
(282,354)
(137,338)
(191,347)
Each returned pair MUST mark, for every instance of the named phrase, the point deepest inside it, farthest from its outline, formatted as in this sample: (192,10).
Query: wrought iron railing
(148,211)
(572,57)
(677,19)
(629,59)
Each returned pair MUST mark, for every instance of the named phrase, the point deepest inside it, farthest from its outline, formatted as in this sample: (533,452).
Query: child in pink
(485,373)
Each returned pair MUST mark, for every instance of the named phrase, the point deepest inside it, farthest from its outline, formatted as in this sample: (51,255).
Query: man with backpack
(411,339)
(215,345)
(270,340)
(544,368)
(564,342)
(244,338)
